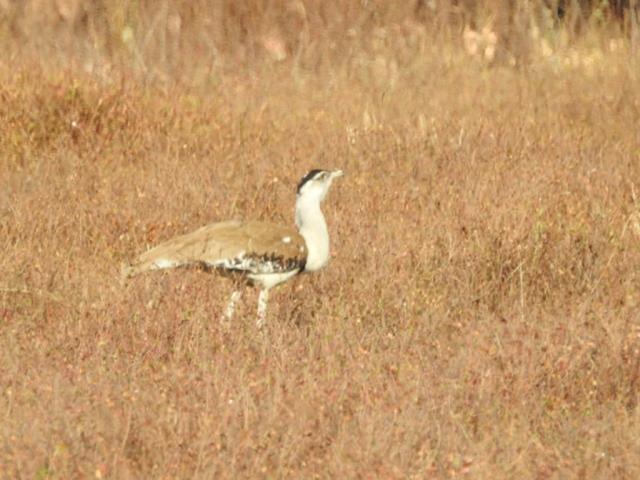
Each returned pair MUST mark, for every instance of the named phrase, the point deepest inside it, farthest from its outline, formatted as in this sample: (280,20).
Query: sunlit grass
(479,315)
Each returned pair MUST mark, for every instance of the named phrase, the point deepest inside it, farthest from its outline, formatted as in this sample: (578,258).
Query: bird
(254,252)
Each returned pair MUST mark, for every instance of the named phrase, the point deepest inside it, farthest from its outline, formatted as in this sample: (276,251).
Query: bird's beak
(337,173)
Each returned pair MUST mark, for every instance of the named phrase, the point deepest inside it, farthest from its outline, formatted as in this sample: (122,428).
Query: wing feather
(234,245)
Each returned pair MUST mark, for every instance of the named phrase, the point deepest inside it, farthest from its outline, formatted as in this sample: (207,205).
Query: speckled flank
(259,264)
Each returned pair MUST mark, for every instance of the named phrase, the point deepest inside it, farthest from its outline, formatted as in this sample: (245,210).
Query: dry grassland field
(479,318)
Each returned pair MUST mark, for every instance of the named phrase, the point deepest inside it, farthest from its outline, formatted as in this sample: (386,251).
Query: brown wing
(256,247)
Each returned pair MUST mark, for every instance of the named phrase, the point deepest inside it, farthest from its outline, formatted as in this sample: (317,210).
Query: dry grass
(480,315)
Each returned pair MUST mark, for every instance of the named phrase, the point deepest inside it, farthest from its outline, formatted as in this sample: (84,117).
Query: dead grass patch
(480,315)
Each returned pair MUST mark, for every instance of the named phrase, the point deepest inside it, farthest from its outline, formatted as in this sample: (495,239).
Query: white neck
(313,228)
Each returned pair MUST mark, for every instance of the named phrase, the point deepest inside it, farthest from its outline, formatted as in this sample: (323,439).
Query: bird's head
(316,183)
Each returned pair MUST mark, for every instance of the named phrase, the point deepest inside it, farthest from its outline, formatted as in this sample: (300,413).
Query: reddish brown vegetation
(480,315)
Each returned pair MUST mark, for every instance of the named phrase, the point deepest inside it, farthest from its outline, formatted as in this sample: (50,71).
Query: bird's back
(254,247)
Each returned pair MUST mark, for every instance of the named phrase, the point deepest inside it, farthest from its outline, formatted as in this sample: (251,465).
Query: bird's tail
(144,264)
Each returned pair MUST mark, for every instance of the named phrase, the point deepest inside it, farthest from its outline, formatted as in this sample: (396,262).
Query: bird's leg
(262,307)
(231,306)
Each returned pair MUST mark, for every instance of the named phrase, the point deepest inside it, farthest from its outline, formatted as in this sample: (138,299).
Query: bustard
(262,253)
